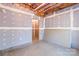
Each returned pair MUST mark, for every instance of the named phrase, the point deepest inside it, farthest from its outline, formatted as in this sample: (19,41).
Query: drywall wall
(75,39)
(62,27)
(62,20)
(57,29)
(15,28)
(75,31)
(58,36)
(41,28)
(76,18)
(11,38)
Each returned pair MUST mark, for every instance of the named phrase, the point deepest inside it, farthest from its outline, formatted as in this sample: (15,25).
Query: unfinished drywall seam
(62,28)
(24,28)
(71,18)
(71,15)
(71,25)
(44,23)
(62,12)
(16,10)
(75,28)
(17,32)
(68,44)
(71,28)
(57,14)
(59,26)
(42,27)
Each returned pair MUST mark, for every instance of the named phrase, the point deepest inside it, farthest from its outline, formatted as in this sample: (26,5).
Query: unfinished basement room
(39,29)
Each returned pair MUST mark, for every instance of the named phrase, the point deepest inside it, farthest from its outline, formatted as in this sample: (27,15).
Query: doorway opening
(35,30)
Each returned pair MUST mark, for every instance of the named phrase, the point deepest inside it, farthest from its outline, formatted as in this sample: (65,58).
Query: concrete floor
(43,49)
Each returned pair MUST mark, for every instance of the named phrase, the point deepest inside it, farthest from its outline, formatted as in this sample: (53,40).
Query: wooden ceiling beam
(42,13)
(46,7)
(53,8)
(57,7)
(42,9)
(42,5)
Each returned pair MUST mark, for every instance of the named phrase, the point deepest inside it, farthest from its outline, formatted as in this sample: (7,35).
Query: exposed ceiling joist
(42,5)
(42,9)
(57,7)
(46,7)
(53,7)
